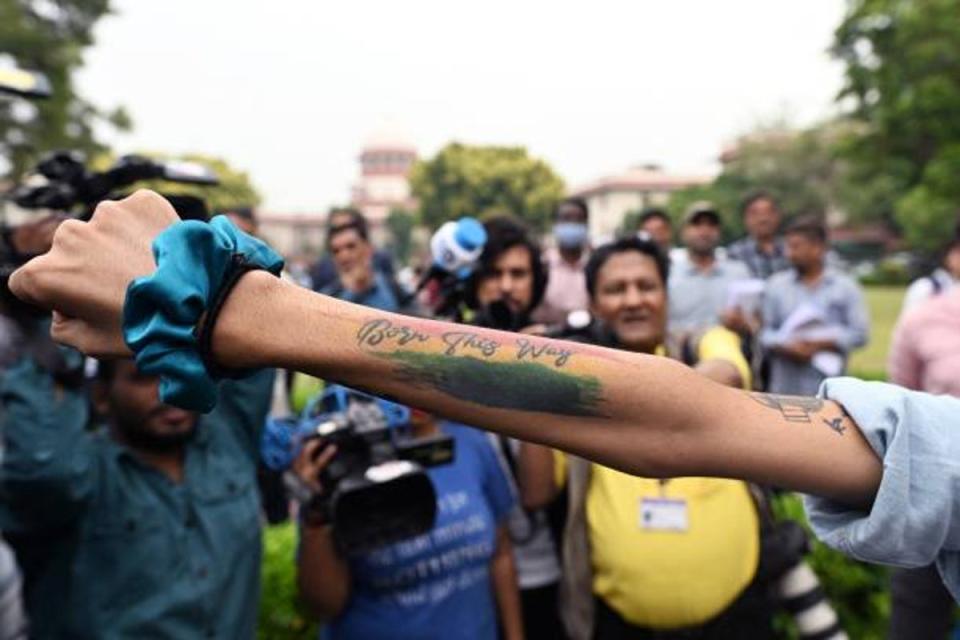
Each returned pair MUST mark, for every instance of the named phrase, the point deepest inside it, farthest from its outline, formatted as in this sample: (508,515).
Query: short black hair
(503,233)
(757,194)
(602,254)
(580,203)
(811,227)
(357,223)
(654,213)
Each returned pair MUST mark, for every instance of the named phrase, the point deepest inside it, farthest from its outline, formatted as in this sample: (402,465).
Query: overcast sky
(288,90)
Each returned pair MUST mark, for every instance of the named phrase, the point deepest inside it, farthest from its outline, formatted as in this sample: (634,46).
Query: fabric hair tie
(198,263)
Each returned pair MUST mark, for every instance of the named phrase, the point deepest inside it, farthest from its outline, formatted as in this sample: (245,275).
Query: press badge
(663,514)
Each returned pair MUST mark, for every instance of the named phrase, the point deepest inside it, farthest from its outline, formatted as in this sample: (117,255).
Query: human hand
(83,279)
(311,461)
(799,351)
(734,320)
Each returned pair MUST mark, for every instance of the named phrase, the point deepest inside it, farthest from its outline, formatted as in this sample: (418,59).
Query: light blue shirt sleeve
(915,519)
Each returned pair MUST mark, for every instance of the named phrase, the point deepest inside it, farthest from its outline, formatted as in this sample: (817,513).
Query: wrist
(243,332)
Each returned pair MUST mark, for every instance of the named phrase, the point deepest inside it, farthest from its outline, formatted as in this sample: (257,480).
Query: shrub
(281,617)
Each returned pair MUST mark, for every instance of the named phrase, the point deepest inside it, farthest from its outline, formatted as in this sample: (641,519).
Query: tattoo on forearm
(792,408)
(801,410)
(374,332)
(527,349)
(836,424)
(525,386)
(480,367)
(464,343)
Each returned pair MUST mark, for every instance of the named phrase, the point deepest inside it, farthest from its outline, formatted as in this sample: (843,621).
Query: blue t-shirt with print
(437,585)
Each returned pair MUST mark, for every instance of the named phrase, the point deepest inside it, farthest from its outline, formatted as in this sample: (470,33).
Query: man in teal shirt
(148,528)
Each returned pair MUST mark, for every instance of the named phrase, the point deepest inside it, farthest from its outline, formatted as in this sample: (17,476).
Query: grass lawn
(884,303)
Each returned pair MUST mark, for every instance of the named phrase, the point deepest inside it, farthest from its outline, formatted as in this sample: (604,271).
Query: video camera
(62,182)
(375,490)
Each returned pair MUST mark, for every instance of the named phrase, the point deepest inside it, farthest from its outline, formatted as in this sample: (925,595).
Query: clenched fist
(83,279)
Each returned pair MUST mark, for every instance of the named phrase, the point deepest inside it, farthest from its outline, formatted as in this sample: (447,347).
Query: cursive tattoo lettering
(459,342)
(375,332)
(527,349)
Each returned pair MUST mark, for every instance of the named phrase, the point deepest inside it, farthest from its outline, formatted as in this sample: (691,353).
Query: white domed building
(385,163)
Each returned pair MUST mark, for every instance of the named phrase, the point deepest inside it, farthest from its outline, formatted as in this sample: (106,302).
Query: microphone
(455,249)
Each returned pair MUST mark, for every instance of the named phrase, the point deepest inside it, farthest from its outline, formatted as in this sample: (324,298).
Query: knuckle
(106,209)
(68,231)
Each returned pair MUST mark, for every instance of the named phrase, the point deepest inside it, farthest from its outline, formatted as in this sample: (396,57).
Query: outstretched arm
(642,414)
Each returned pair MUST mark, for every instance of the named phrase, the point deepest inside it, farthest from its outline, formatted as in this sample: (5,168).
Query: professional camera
(375,490)
(62,182)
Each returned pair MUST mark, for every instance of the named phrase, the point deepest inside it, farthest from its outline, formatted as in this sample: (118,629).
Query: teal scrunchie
(194,261)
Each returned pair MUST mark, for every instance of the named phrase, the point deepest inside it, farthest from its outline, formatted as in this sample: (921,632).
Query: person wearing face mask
(567,288)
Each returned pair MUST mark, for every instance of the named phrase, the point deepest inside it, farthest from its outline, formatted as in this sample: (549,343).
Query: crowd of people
(133,518)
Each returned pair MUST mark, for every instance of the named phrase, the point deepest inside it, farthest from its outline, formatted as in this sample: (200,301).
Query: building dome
(389,137)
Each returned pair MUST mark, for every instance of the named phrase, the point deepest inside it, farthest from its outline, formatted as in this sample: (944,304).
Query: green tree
(463,180)
(42,35)
(902,60)
(806,169)
(401,224)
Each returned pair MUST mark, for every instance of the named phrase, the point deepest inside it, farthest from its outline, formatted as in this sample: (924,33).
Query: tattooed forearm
(801,409)
(792,408)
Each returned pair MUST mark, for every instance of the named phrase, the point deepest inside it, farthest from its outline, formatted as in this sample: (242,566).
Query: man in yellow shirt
(644,556)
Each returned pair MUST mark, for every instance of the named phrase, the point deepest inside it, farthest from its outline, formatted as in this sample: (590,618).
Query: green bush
(858,592)
(281,617)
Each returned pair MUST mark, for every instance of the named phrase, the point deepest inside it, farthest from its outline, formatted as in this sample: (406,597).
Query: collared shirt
(110,546)
(380,295)
(925,352)
(566,289)
(698,297)
(840,302)
(759,263)
(915,517)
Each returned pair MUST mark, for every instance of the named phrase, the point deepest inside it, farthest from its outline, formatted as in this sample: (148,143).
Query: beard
(499,315)
(135,432)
